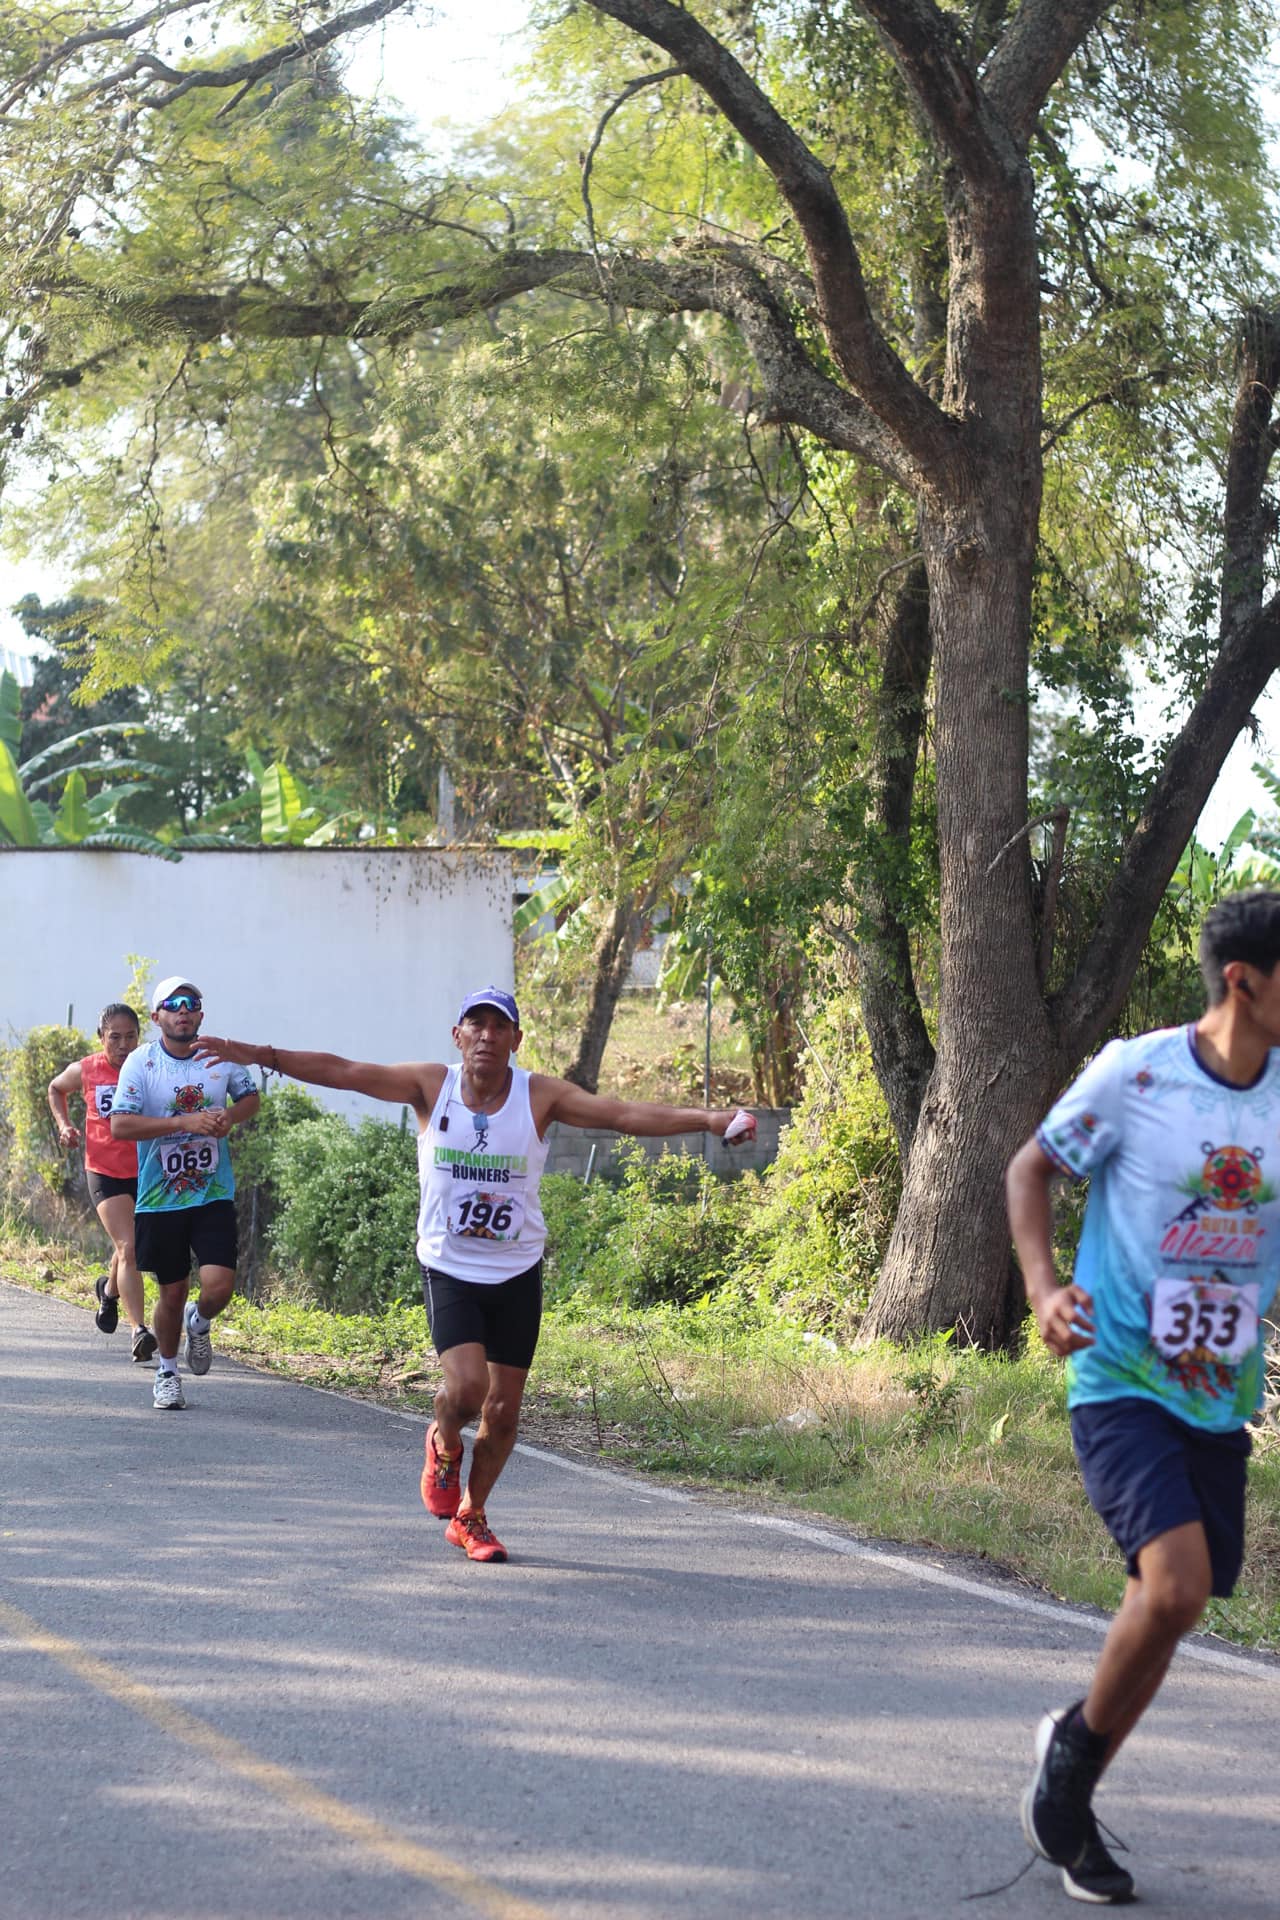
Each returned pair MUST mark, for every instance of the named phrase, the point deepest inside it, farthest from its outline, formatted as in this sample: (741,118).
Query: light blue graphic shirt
(179,1169)
(1181,1241)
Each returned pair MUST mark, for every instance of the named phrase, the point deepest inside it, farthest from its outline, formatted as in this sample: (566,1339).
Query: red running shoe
(471,1532)
(441,1479)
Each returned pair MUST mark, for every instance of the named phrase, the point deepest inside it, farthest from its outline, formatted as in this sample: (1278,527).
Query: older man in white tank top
(482,1145)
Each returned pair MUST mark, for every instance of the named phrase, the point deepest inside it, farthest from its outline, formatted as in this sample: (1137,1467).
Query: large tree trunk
(947,1264)
(614,951)
(948,1261)
(901,1050)
(1004,1052)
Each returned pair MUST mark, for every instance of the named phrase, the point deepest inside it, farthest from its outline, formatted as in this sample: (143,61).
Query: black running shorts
(166,1243)
(105,1186)
(1146,1472)
(503,1318)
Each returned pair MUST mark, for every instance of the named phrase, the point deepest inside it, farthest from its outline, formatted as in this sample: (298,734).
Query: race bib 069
(1206,1315)
(188,1162)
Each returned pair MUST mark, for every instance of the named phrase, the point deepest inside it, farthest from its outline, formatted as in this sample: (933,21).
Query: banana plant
(1244,859)
(28,820)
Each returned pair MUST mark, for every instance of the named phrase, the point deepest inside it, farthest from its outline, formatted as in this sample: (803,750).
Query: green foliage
(826,1207)
(260,1145)
(25,1073)
(27,820)
(582,1220)
(348,1207)
(668,1232)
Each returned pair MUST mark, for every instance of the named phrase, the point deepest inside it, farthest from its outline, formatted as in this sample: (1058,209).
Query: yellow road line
(406,1856)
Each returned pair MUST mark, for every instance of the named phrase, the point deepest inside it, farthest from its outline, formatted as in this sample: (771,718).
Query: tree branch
(927,46)
(77,43)
(1248,655)
(588,159)
(1031,55)
(860,349)
(241,74)
(702,277)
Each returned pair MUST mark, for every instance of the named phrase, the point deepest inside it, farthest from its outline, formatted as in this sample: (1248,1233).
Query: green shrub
(581,1222)
(827,1204)
(669,1232)
(25,1073)
(255,1149)
(348,1208)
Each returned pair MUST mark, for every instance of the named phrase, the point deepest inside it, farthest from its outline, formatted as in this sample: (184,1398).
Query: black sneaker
(1096,1877)
(144,1344)
(107,1318)
(1055,1808)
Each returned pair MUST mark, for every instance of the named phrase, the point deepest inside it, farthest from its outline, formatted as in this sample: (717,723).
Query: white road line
(1238,1663)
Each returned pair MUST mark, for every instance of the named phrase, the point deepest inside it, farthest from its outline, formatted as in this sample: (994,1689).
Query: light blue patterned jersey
(180,1169)
(1181,1241)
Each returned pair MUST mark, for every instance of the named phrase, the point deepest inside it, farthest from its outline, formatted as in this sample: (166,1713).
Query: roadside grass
(931,1446)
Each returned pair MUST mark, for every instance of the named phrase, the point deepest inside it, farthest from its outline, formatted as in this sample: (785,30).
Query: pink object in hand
(741,1127)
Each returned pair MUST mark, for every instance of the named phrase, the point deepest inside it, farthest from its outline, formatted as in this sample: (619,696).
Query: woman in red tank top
(111,1167)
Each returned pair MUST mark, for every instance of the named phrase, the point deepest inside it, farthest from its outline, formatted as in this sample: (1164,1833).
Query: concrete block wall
(364,951)
(570,1147)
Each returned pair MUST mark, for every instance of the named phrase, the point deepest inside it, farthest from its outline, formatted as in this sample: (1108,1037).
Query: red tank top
(102,1154)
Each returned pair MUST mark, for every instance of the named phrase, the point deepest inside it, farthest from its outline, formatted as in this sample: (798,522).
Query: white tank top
(480,1217)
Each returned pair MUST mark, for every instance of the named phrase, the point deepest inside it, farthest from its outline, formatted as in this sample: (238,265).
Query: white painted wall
(364,953)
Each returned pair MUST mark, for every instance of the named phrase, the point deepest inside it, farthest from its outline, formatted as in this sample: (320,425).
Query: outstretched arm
(561,1100)
(1063,1314)
(70,1080)
(408,1084)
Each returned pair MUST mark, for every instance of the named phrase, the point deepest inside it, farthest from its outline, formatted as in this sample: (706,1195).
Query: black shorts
(105,1186)
(1146,1472)
(165,1243)
(503,1318)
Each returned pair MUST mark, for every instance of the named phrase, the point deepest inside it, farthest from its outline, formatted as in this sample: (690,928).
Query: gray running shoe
(167,1391)
(144,1344)
(1096,1877)
(199,1345)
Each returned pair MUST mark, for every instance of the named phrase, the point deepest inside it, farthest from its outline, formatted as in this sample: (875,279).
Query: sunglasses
(182,1003)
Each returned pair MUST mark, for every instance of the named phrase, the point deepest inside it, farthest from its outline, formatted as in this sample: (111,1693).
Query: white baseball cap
(174,984)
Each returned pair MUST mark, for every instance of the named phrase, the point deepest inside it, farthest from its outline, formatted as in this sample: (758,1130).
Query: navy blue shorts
(1146,1472)
(504,1317)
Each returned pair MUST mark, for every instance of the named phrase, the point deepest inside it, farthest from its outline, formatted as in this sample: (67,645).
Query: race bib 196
(1212,1315)
(485,1216)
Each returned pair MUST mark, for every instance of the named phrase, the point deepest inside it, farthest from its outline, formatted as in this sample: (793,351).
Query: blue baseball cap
(490,997)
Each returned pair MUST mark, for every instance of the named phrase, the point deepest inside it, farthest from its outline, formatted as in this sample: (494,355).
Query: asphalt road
(241,1674)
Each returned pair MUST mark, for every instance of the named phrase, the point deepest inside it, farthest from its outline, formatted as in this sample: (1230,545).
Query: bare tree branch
(628,92)
(701,277)
(241,74)
(928,48)
(1248,654)
(858,345)
(1031,55)
(92,37)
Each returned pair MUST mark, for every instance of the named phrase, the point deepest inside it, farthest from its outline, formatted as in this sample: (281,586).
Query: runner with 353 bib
(1162,1329)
